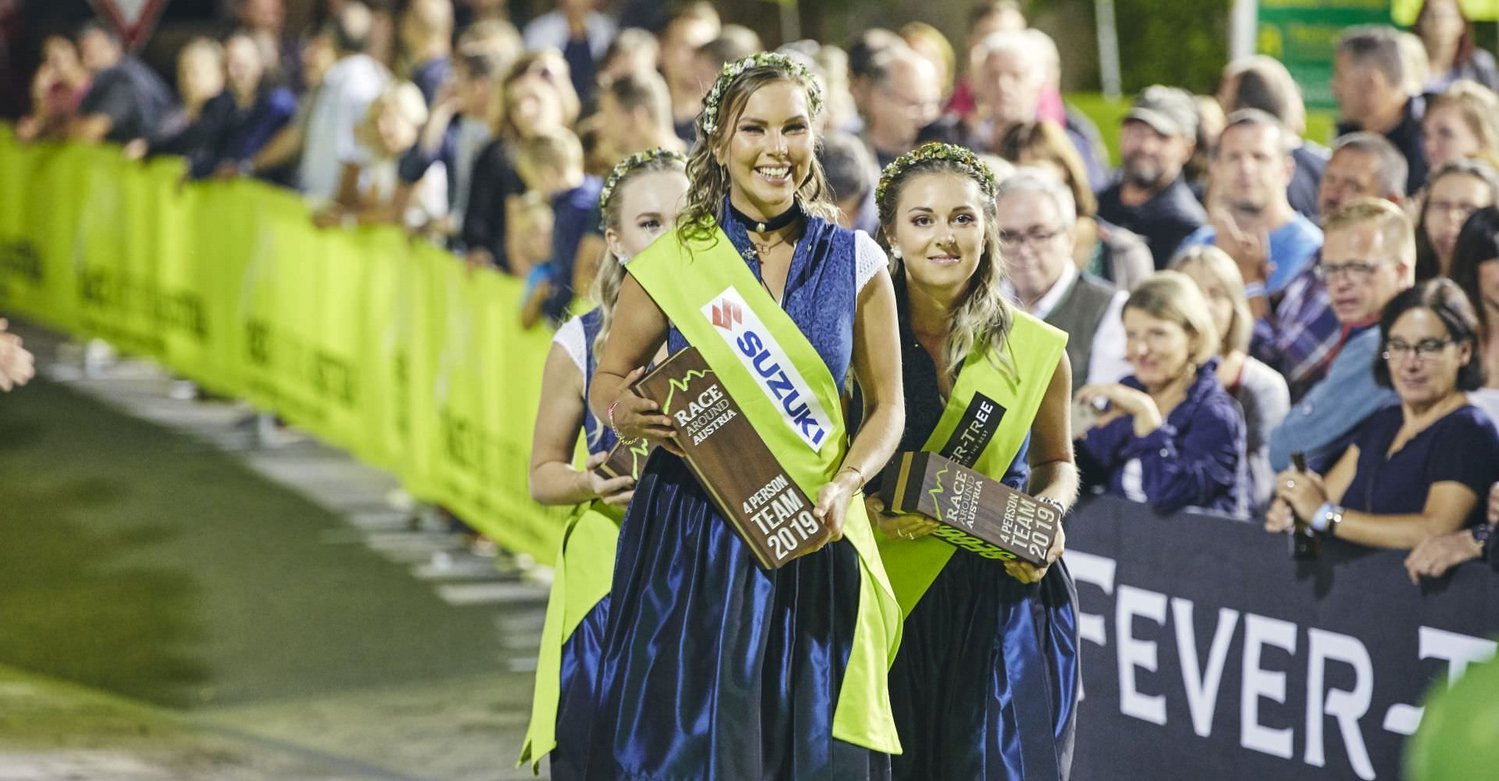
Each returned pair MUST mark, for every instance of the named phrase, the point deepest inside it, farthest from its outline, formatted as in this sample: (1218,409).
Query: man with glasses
(1295,330)
(1036,215)
(903,97)
(1368,256)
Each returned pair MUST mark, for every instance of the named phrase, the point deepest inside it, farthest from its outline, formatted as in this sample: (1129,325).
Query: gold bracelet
(855,470)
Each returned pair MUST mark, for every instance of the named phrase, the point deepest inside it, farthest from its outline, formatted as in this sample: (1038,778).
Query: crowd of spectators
(1238,296)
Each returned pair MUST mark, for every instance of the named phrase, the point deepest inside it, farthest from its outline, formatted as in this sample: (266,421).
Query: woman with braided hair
(639,202)
(714,666)
(986,682)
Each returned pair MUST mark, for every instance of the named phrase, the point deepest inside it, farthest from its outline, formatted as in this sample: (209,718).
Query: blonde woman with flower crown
(639,202)
(715,667)
(985,686)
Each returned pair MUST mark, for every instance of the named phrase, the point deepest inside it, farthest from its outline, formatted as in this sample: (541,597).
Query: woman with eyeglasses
(1169,434)
(1417,469)
(1453,192)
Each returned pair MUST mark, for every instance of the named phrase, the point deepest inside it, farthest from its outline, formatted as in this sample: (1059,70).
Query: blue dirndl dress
(985,686)
(580,653)
(712,667)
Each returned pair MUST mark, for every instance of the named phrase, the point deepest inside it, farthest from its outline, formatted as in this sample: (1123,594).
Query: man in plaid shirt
(1295,331)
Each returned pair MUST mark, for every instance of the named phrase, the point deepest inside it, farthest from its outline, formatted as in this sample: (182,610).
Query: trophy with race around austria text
(762,503)
(973,512)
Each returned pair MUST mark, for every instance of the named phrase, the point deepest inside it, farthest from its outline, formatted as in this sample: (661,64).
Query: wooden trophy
(752,490)
(973,512)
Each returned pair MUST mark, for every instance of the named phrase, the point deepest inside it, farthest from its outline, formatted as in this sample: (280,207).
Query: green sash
(581,577)
(709,294)
(1034,349)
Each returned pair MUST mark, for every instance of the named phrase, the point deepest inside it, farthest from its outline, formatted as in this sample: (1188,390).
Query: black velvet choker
(764,226)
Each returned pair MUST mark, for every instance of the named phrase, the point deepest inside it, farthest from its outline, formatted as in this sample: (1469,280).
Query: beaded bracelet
(609,413)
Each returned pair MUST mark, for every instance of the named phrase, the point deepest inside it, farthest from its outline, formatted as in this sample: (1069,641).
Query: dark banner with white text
(1208,652)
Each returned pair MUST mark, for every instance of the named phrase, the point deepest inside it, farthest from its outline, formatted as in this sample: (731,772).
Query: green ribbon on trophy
(1033,350)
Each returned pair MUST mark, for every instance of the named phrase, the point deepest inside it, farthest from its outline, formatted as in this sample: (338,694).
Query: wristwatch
(1326,519)
(1061,508)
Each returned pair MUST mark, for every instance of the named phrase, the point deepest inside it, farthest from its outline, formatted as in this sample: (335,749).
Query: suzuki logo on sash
(727,314)
(768,363)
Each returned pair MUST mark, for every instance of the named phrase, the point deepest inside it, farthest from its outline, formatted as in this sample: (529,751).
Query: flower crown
(935,150)
(732,70)
(625,166)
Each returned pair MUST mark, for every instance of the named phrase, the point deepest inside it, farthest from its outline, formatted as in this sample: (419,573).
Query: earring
(624,260)
(895,253)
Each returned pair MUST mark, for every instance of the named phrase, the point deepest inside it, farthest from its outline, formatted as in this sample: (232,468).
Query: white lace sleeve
(868,259)
(571,338)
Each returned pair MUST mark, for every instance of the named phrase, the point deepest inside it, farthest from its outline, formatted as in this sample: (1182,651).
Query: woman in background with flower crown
(639,202)
(714,667)
(986,682)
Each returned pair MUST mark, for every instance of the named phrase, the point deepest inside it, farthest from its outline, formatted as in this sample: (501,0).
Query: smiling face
(768,151)
(939,230)
(648,205)
(1151,159)
(1159,350)
(1423,370)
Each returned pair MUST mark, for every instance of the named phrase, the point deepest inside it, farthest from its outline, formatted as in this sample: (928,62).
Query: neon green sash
(581,577)
(708,282)
(1034,350)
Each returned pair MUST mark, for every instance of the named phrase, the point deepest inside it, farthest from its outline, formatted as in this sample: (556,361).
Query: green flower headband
(936,150)
(624,167)
(732,70)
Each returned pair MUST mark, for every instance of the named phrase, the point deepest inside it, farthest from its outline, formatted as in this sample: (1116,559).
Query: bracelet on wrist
(856,471)
(1061,508)
(1255,290)
(609,413)
(1326,519)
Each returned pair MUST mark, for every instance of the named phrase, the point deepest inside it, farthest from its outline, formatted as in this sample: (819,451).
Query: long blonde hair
(982,315)
(611,273)
(715,124)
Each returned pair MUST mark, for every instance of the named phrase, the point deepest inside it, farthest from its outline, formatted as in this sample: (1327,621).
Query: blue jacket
(1323,423)
(1195,459)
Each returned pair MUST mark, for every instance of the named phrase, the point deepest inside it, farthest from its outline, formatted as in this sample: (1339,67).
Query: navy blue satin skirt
(575,703)
(985,685)
(712,667)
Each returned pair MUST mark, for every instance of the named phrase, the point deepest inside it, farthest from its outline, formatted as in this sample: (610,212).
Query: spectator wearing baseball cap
(1150,197)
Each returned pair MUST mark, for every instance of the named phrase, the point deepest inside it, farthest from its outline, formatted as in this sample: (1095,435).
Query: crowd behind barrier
(377,344)
(1334,306)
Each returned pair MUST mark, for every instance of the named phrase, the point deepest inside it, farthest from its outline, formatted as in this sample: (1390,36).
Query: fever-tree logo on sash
(778,378)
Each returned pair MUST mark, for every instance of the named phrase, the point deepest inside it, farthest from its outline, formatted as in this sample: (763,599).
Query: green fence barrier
(383,346)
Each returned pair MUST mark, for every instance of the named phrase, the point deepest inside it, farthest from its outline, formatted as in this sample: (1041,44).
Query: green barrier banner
(1304,34)
(386,347)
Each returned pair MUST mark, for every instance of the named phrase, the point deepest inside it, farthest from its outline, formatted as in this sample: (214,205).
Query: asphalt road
(180,601)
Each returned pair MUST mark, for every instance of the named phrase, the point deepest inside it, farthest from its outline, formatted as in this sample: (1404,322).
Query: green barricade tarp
(386,347)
